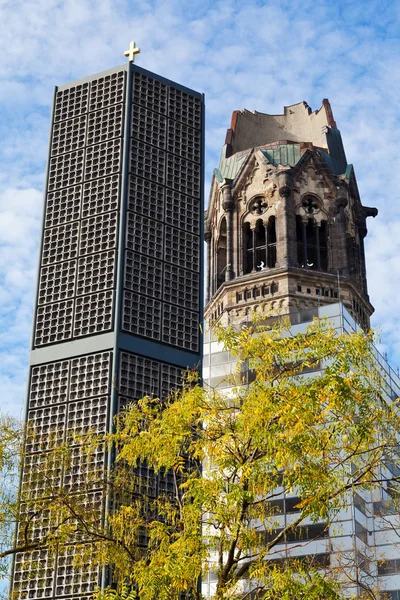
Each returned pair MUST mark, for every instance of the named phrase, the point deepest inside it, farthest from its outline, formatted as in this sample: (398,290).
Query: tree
(323,434)
(313,418)
(10,443)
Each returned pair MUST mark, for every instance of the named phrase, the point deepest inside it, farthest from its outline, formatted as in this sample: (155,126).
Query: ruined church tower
(285,226)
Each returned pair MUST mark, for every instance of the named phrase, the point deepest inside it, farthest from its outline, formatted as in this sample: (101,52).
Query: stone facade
(285,225)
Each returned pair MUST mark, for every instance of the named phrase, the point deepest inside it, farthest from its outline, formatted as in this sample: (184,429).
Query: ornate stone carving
(310,205)
(258,205)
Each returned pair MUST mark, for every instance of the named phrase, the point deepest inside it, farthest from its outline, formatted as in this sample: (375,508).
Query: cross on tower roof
(132,51)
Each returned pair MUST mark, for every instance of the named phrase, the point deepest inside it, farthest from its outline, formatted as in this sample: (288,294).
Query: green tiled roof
(283,154)
(230,167)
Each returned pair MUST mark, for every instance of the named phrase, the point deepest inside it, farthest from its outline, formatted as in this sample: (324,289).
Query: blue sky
(242,54)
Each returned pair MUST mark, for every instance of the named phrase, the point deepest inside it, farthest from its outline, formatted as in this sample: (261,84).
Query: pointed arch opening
(271,243)
(312,244)
(259,246)
(221,253)
(247,248)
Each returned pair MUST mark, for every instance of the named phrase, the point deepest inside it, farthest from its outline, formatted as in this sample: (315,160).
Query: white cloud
(253,54)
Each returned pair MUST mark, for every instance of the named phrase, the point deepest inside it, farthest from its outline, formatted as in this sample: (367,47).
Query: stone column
(208,237)
(253,236)
(227,205)
(286,246)
(265,223)
(317,226)
(305,253)
(362,232)
(337,236)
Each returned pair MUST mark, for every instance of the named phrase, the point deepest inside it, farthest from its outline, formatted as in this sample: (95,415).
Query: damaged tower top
(285,226)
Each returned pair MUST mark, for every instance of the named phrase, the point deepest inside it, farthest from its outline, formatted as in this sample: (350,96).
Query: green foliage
(10,446)
(322,434)
(313,419)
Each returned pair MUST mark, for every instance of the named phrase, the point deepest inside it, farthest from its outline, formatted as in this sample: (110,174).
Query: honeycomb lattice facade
(119,296)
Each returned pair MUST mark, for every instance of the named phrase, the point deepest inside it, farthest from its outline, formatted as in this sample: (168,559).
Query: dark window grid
(52,388)
(90,375)
(45,428)
(172,378)
(163,204)
(150,93)
(96,273)
(54,322)
(143,274)
(184,141)
(150,318)
(148,126)
(63,279)
(182,211)
(66,207)
(63,206)
(175,172)
(34,574)
(85,468)
(141,315)
(184,107)
(182,249)
(71,580)
(37,523)
(66,170)
(144,236)
(33,484)
(100,196)
(89,274)
(180,327)
(49,384)
(302,533)
(151,127)
(60,243)
(389,566)
(181,287)
(183,175)
(57,282)
(103,159)
(94,314)
(68,136)
(138,376)
(148,162)
(88,414)
(146,197)
(71,102)
(105,124)
(106,91)
(98,233)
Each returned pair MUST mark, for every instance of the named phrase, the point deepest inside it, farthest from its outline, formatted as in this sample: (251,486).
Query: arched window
(312,244)
(255,247)
(323,245)
(259,246)
(271,243)
(247,248)
(221,254)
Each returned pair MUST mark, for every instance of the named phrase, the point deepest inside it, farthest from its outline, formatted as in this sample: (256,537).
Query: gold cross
(132,51)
